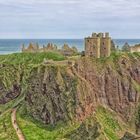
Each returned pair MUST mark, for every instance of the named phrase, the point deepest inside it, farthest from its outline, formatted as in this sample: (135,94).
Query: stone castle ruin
(65,50)
(98,45)
(135,48)
(128,48)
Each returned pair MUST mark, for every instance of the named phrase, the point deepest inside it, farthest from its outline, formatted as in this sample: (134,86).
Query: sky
(69,18)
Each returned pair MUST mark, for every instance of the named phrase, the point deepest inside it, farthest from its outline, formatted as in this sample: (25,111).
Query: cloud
(67,17)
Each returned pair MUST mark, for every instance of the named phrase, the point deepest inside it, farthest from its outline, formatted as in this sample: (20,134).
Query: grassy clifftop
(15,70)
(62,95)
(6,130)
(29,58)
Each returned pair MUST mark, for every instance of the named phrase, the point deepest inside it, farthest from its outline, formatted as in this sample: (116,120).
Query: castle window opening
(90,53)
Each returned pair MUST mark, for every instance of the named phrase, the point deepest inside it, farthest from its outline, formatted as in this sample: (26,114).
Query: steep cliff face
(15,69)
(10,79)
(113,83)
(51,94)
(73,92)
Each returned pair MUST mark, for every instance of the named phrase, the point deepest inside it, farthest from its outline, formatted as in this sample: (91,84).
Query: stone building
(68,51)
(65,50)
(131,49)
(135,48)
(32,48)
(98,45)
(49,47)
(126,47)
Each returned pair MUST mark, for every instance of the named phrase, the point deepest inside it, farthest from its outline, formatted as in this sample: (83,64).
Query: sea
(8,46)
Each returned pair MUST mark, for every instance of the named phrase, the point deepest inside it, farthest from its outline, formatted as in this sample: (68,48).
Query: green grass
(7,131)
(114,57)
(108,122)
(15,68)
(30,58)
(7,106)
(34,130)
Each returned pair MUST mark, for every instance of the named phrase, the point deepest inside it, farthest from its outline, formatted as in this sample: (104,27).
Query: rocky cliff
(9,83)
(106,89)
(74,92)
(51,94)
(113,83)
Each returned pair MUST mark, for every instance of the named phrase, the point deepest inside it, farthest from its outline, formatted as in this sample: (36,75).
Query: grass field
(6,129)
(34,130)
(111,126)
(30,58)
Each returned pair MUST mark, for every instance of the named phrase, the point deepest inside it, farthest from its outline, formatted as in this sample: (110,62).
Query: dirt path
(15,125)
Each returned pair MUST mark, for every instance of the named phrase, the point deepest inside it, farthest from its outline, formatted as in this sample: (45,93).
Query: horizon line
(60,38)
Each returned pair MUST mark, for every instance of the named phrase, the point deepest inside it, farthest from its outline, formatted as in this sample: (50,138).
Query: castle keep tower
(98,45)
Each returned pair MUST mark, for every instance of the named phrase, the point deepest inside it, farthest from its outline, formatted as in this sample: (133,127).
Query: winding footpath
(15,125)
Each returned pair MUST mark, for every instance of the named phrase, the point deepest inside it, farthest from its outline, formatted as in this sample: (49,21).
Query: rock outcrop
(72,93)
(10,79)
(51,95)
(115,85)
(88,130)
(9,95)
(69,93)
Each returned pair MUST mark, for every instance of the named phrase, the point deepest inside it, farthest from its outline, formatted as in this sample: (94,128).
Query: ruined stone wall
(105,47)
(32,48)
(99,45)
(92,47)
(136,48)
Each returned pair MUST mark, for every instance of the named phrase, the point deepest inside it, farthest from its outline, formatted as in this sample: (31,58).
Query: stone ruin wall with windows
(98,45)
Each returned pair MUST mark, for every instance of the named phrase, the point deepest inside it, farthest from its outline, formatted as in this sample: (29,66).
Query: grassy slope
(34,130)
(29,58)
(13,66)
(111,127)
(109,124)
(6,130)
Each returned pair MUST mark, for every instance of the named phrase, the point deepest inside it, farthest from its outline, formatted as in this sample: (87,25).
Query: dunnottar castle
(101,45)
(97,45)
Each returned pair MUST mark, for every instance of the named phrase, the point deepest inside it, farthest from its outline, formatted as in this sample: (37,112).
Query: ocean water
(8,46)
